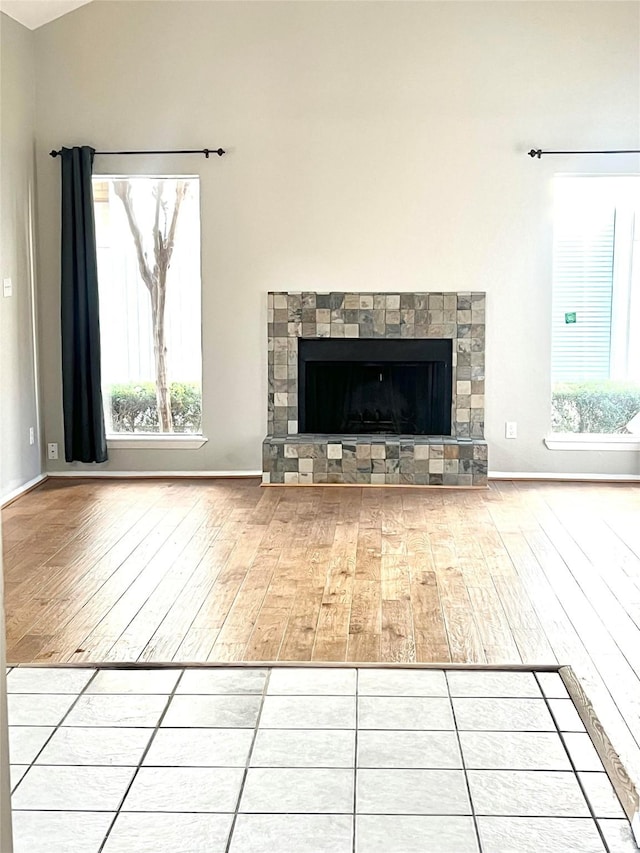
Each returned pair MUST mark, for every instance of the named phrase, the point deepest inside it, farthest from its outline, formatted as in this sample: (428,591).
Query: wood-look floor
(224,570)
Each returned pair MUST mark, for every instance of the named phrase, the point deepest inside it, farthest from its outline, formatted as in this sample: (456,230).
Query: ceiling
(35,13)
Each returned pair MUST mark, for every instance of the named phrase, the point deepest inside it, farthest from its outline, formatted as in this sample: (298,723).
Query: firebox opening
(362,386)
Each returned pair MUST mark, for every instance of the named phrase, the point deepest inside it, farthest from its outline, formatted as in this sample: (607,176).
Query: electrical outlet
(511,429)
(32,435)
(52,450)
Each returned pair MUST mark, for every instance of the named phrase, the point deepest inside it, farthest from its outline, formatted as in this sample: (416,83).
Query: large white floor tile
(600,793)
(25,742)
(521,685)
(304,748)
(417,792)
(312,681)
(506,715)
(426,750)
(402,682)
(88,745)
(226,712)
(91,789)
(309,712)
(223,680)
(146,832)
(415,834)
(539,835)
(526,793)
(552,685)
(298,790)
(43,710)
(514,751)
(59,832)
(116,711)
(184,789)
(291,833)
(200,748)
(404,712)
(566,716)
(48,679)
(136,681)
(582,751)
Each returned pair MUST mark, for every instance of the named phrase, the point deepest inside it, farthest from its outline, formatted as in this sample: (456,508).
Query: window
(596,305)
(148,239)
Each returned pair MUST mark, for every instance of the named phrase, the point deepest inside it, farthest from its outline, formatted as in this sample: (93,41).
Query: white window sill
(155,441)
(592,441)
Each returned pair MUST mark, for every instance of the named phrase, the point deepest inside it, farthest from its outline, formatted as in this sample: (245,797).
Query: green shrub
(604,406)
(133,407)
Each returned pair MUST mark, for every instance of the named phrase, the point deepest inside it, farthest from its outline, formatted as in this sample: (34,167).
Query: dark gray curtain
(84,432)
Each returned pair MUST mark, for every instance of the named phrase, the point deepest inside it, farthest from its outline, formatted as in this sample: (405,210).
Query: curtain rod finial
(54,153)
(535,153)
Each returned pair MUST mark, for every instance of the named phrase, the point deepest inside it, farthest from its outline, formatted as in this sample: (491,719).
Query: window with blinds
(595,355)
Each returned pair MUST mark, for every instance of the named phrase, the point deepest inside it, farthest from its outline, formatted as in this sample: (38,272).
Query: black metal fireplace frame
(391,350)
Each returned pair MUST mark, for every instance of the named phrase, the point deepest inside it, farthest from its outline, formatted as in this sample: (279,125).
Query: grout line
(464,768)
(142,757)
(573,767)
(248,762)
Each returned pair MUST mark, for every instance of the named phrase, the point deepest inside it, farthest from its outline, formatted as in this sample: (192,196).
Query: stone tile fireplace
(384,363)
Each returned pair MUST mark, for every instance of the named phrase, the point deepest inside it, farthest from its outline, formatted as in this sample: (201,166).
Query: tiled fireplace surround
(295,458)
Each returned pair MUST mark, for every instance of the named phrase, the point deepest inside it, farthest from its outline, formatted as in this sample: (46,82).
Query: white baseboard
(147,475)
(26,487)
(580,478)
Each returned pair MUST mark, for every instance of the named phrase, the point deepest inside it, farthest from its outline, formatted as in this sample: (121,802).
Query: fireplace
(376,389)
(369,386)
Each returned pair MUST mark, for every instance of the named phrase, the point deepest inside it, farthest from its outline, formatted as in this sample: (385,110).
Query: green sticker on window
(570,317)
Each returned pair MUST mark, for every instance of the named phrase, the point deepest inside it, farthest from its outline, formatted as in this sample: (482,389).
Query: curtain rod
(205,151)
(537,152)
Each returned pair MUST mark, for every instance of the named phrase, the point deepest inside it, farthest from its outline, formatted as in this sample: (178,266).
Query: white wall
(20,462)
(371,146)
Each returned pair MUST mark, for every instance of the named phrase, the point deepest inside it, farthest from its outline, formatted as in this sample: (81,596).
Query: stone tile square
(419,713)
(308,712)
(488,684)
(522,793)
(582,751)
(116,711)
(601,796)
(408,749)
(108,746)
(417,792)
(552,685)
(42,710)
(539,835)
(224,712)
(89,789)
(223,680)
(169,833)
(565,715)
(507,715)
(25,742)
(200,748)
(298,791)
(59,831)
(415,834)
(184,789)
(617,834)
(48,679)
(513,751)
(304,748)
(402,682)
(311,681)
(292,833)
(161,681)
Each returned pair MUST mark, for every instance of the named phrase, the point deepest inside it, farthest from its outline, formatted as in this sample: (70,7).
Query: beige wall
(372,146)
(19,461)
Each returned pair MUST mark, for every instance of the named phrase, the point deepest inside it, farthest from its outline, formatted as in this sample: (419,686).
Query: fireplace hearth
(376,388)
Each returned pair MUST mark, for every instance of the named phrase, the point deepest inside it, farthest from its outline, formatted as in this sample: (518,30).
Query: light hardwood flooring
(226,571)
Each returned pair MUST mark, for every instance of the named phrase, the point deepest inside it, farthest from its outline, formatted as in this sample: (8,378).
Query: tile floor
(305,760)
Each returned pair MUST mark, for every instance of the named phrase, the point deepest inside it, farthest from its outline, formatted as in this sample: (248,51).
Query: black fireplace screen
(363,386)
